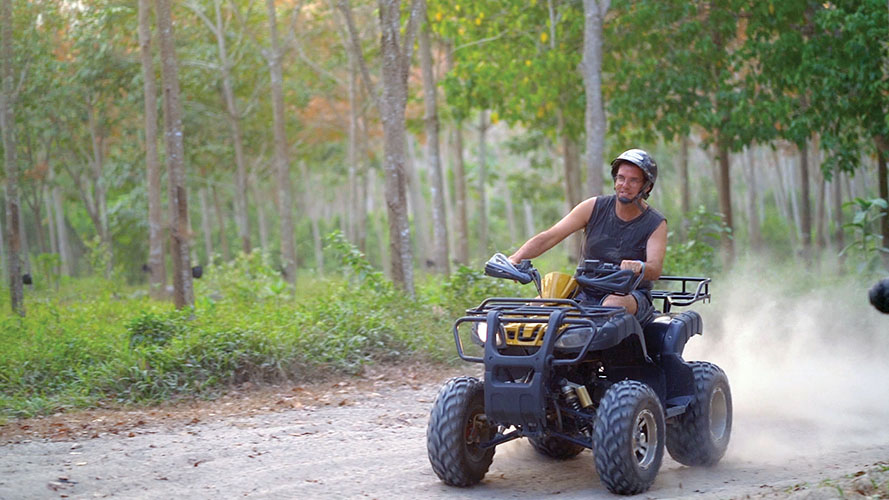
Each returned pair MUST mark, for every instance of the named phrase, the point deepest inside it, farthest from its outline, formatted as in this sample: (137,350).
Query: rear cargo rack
(685,296)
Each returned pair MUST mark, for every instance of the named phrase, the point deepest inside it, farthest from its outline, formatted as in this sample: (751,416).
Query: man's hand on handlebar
(633,265)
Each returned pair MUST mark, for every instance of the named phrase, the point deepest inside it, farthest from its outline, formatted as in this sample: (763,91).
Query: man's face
(628,182)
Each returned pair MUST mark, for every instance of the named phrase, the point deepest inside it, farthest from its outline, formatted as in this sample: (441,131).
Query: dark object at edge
(26,279)
(197,271)
(879,296)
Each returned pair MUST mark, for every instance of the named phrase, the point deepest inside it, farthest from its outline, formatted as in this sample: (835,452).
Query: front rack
(531,311)
(513,306)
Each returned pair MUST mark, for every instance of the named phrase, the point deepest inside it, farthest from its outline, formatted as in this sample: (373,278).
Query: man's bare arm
(656,248)
(575,220)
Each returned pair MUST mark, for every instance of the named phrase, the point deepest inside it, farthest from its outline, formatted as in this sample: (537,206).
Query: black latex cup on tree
(879,296)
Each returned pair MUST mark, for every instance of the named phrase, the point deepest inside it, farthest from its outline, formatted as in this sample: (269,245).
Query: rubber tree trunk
(61,230)
(7,124)
(439,252)
(573,196)
(509,208)
(781,198)
(220,219)
(837,200)
(805,200)
(416,203)
(282,156)
(462,244)
(684,191)
(725,202)
(157,271)
(395,66)
(3,271)
(528,212)
(594,114)
(261,218)
(99,209)
(206,225)
(183,292)
(53,239)
(233,115)
(883,182)
(820,211)
(752,201)
(481,187)
(352,152)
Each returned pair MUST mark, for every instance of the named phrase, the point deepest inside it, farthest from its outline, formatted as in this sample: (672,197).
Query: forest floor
(364,437)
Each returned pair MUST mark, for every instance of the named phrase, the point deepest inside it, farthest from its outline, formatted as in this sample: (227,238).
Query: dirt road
(364,438)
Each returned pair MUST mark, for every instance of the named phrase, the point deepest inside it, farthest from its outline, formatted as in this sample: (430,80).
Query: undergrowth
(85,346)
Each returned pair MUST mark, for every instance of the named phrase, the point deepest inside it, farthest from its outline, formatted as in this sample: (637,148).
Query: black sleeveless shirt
(610,239)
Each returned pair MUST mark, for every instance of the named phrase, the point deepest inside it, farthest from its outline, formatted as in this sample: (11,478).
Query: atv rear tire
(700,436)
(555,447)
(457,425)
(628,441)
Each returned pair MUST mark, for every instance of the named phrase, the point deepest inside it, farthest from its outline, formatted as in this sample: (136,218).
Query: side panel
(666,337)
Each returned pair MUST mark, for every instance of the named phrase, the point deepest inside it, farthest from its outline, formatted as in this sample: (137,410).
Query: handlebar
(499,266)
(608,277)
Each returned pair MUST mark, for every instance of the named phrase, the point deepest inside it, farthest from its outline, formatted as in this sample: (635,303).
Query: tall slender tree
(594,12)
(183,291)
(156,263)
(433,154)
(8,95)
(396,56)
(282,157)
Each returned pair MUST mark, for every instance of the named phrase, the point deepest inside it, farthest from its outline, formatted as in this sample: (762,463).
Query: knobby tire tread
(612,441)
(688,435)
(445,440)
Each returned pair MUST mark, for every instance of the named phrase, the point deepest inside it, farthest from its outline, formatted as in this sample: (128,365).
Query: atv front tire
(457,425)
(700,435)
(628,441)
(555,447)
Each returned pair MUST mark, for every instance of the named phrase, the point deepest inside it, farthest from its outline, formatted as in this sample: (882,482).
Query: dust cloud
(807,359)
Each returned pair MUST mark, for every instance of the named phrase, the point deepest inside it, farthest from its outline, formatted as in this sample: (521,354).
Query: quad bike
(569,377)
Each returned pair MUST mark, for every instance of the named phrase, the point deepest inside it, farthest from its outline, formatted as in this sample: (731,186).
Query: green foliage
(696,254)
(868,242)
(47,267)
(150,328)
(468,287)
(353,259)
(247,277)
(517,59)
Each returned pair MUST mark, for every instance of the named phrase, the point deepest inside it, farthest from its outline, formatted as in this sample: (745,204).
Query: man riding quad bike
(570,376)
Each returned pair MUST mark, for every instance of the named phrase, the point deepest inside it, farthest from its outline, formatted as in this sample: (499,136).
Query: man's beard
(625,200)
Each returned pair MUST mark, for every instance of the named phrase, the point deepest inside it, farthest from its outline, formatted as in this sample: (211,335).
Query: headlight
(479,332)
(575,338)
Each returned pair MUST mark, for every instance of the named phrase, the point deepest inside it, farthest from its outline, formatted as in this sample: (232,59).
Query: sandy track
(368,441)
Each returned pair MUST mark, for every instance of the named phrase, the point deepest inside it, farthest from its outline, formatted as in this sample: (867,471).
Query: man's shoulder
(656,214)
(603,200)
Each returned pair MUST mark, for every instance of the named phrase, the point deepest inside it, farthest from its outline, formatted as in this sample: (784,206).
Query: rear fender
(666,336)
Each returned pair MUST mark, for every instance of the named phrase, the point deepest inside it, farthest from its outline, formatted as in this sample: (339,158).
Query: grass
(92,343)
